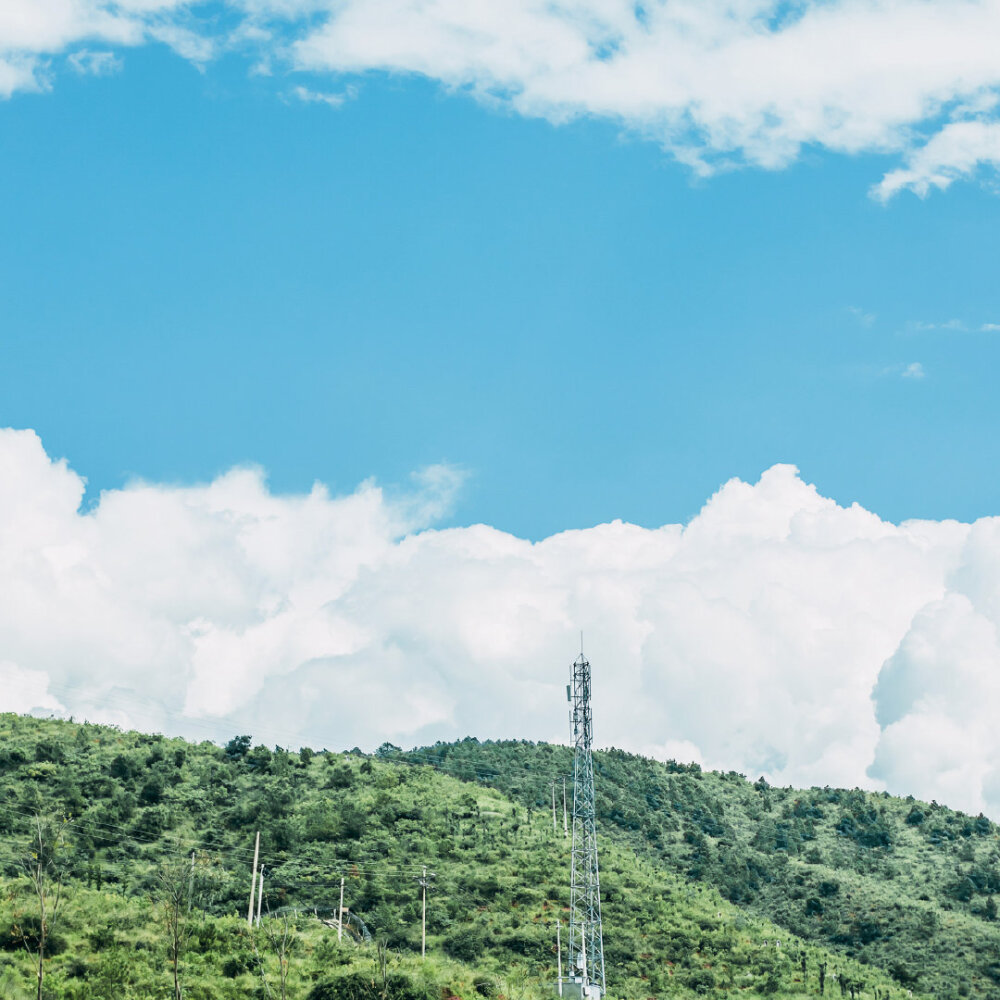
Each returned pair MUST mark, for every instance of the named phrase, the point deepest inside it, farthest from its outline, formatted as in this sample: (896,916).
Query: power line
(183,848)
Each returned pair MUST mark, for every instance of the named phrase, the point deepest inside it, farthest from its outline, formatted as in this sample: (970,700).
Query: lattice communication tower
(585,961)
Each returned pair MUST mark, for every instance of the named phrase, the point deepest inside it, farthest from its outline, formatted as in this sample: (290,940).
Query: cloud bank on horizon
(718,83)
(775,633)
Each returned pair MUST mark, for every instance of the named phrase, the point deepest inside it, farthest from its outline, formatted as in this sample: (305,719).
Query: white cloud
(90,63)
(308,96)
(26,691)
(31,31)
(911,370)
(866,319)
(188,43)
(952,325)
(777,632)
(957,151)
(19,72)
(939,694)
(718,83)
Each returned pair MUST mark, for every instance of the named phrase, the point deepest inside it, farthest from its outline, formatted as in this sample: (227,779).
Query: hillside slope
(904,885)
(138,806)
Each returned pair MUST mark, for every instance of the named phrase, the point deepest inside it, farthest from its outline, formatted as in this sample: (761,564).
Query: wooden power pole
(340,918)
(559,953)
(253,879)
(423,922)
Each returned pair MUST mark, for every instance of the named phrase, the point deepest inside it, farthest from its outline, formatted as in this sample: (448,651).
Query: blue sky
(199,269)
(532,267)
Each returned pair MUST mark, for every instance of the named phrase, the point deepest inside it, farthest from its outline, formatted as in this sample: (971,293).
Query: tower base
(574,988)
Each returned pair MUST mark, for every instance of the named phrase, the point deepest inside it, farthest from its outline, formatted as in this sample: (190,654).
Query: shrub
(151,792)
(340,777)
(485,987)
(466,944)
(25,933)
(357,986)
(353,986)
(237,748)
(233,966)
(697,980)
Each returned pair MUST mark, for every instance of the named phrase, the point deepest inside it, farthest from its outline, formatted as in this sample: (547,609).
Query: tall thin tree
(174,880)
(45,872)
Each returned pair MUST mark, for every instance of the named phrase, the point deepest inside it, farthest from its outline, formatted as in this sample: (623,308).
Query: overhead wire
(173,846)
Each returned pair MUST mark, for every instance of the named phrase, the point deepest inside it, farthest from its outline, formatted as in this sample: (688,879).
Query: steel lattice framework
(586,939)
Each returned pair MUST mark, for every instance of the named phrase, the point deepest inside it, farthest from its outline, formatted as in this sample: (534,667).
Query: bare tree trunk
(281,943)
(283,958)
(175,882)
(41,928)
(46,880)
(177,981)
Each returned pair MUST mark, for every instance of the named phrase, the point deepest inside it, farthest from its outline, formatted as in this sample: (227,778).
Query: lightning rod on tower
(585,959)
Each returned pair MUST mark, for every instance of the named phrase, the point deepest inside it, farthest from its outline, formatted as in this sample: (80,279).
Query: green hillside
(904,885)
(157,827)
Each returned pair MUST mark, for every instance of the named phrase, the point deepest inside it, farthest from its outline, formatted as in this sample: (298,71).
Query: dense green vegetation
(151,839)
(905,885)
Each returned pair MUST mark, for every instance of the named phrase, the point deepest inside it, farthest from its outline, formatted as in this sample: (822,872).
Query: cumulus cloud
(718,83)
(777,632)
(938,696)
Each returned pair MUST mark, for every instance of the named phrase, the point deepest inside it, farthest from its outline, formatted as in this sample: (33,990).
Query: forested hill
(148,845)
(905,885)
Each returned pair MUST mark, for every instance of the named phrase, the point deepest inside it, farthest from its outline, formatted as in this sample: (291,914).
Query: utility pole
(260,894)
(559,953)
(554,827)
(585,959)
(253,879)
(423,921)
(340,919)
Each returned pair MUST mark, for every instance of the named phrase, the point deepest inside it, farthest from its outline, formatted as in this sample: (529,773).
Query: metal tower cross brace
(586,939)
